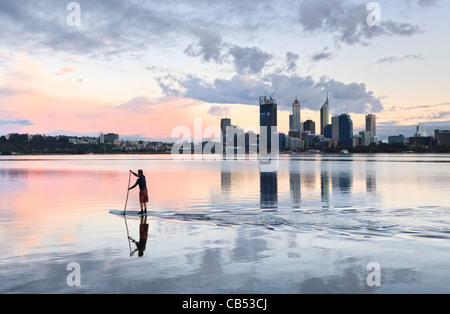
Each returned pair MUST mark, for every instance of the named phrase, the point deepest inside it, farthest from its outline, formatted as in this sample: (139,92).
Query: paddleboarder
(143,192)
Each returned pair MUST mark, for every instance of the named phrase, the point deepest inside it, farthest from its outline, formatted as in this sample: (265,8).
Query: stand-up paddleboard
(126,213)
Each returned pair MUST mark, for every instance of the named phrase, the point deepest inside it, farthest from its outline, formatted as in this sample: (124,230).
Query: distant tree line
(43,144)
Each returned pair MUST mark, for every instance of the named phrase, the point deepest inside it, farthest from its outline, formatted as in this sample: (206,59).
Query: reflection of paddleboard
(127,213)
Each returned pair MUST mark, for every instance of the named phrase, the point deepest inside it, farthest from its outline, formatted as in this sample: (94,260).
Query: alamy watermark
(74,277)
(374,277)
(374,17)
(74,17)
(230,143)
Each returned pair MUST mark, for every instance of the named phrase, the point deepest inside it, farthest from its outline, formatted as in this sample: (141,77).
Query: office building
(365,138)
(110,137)
(421,141)
(327,143)
(251,142)
(268,121)
(324,117)
(307,138)
(345,130)
(238,138)
(309,125)
(294,134)
(328,133)
(335,128)
(420,131)
(224,123)
(282,140)
(295,143)
(442,137)
(295,117)
(399,139)
(356,141)
(371,124)
(374,140)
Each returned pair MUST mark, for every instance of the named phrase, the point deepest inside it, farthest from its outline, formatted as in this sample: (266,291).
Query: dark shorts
(143,196)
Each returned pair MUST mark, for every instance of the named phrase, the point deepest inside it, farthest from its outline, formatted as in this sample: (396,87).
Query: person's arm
(135,174)
(136,184)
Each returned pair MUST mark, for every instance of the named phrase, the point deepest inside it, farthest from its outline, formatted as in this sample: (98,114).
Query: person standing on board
(143,193)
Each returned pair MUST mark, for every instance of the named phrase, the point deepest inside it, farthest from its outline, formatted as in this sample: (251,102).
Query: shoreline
(406,153)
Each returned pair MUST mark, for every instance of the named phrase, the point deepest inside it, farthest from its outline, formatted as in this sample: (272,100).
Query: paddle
(128,193)
(125,212)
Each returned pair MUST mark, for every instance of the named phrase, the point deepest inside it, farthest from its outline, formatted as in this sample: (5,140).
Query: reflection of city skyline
(371,181)
(295,185)
(225,178)
(269,189)
(302,182)
(325,183)
(342,181)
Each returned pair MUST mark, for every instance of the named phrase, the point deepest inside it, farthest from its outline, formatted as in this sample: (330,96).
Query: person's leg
(141,200)
(145,199)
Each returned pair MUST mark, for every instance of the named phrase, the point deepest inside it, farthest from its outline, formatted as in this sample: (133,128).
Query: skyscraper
(442,137)
(371,124)
(324,117)
(365,138)
(345,130)
(268,119)
(224,123)
(309,125)
(335,128)
(420,131)
(295,117)
(328,133)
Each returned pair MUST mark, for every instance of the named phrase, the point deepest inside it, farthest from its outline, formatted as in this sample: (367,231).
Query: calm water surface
(312,226)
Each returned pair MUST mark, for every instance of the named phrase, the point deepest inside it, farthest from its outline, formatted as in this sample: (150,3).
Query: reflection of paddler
(143,236)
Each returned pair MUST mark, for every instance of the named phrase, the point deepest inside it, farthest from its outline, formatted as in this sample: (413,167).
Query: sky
(142,68)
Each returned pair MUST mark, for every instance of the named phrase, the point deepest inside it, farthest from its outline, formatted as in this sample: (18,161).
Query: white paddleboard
(127,213)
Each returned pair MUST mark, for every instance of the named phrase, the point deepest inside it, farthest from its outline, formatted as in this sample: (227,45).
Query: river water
(313,224)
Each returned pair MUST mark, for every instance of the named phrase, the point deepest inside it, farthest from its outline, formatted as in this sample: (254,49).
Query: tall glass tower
(268,119)
(371,124)
(324,117)
(335,128)
(224,123)
(345,130)
(296,116)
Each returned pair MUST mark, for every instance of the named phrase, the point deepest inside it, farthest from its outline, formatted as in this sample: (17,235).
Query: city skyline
(140,73)
(369,127)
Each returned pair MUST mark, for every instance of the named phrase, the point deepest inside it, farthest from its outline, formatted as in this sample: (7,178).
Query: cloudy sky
(141,68)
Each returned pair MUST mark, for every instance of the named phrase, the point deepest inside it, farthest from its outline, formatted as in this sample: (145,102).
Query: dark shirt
(141,182)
